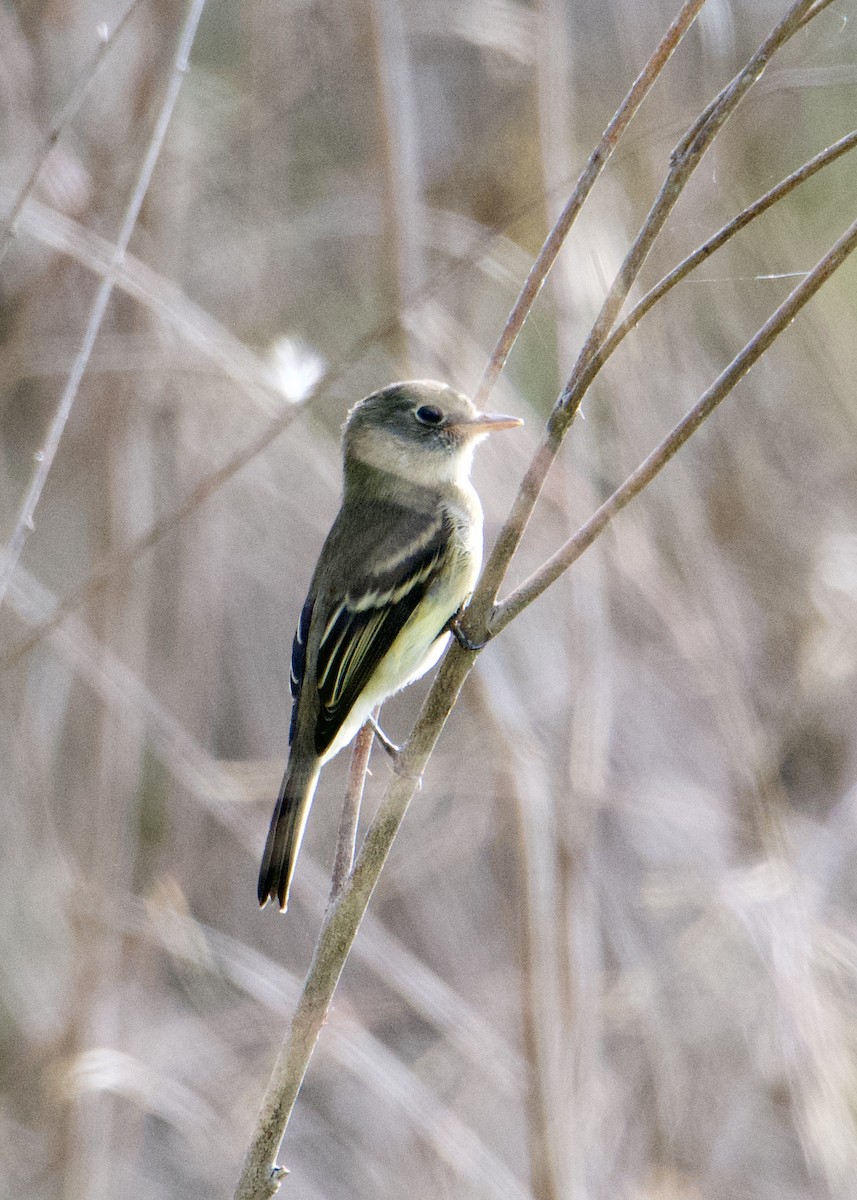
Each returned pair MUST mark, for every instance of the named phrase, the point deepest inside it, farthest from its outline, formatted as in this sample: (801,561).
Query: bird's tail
(287,831)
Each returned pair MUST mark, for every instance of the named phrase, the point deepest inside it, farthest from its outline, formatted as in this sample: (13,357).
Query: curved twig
(597,161)
(107,40)
(683,162)
(718,239)
(46,455)
(651,466)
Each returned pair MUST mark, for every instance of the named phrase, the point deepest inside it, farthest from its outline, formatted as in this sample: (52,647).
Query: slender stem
(703,252)
(596,164)
(66,114)
(260,1177)
(683,162)
(533,587)
(46,455)
(347,839)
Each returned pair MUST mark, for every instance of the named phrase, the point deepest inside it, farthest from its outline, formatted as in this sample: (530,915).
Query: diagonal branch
(683,162)
(779,320)
(597,162)
(45,457)
(259,1177)
(823,159)
(107,40)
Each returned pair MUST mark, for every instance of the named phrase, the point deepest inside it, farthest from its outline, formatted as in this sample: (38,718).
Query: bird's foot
(466,643)
(392,749)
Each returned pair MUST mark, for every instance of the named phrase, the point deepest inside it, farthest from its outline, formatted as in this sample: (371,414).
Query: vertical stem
(596,164)
(403,257)
(46,455)
(683,162)
(347,840)
(66,113)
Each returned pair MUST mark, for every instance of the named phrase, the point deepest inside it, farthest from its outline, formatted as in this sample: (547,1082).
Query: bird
(401,559)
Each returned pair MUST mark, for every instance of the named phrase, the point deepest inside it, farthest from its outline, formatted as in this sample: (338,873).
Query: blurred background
(614,951)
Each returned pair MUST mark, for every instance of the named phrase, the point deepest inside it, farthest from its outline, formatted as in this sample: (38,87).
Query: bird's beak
(483,422)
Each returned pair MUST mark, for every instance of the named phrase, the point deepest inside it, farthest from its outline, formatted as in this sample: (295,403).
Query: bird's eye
(427,414)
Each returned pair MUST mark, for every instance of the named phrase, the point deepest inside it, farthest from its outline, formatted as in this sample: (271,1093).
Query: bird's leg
(392,749)
(454,627)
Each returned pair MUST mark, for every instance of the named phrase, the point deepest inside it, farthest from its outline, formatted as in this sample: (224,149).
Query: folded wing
(363,625)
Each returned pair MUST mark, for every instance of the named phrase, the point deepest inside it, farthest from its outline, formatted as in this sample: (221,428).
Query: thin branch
(779,320)
(259,1177)
(107,41)
(347,840)
(597,161)
(703,252)
(813,12)
(791,24)
(683,162)
(46,455)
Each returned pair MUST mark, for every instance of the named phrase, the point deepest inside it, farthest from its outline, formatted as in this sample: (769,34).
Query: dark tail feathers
(286,832)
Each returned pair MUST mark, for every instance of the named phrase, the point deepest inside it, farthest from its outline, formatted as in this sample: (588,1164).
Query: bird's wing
(362,625)
(296,672)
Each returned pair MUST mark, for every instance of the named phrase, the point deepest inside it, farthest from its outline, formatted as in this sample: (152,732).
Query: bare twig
(347,839)
(45,456)
(683,162)
(107,41)
(676,438)
(260,1178)
(597,161)
(703,252)
(402,257)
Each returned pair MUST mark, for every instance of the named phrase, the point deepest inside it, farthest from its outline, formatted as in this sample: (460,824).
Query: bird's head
(420,430)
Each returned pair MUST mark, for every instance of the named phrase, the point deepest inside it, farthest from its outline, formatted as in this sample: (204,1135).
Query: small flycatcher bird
(401,559)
